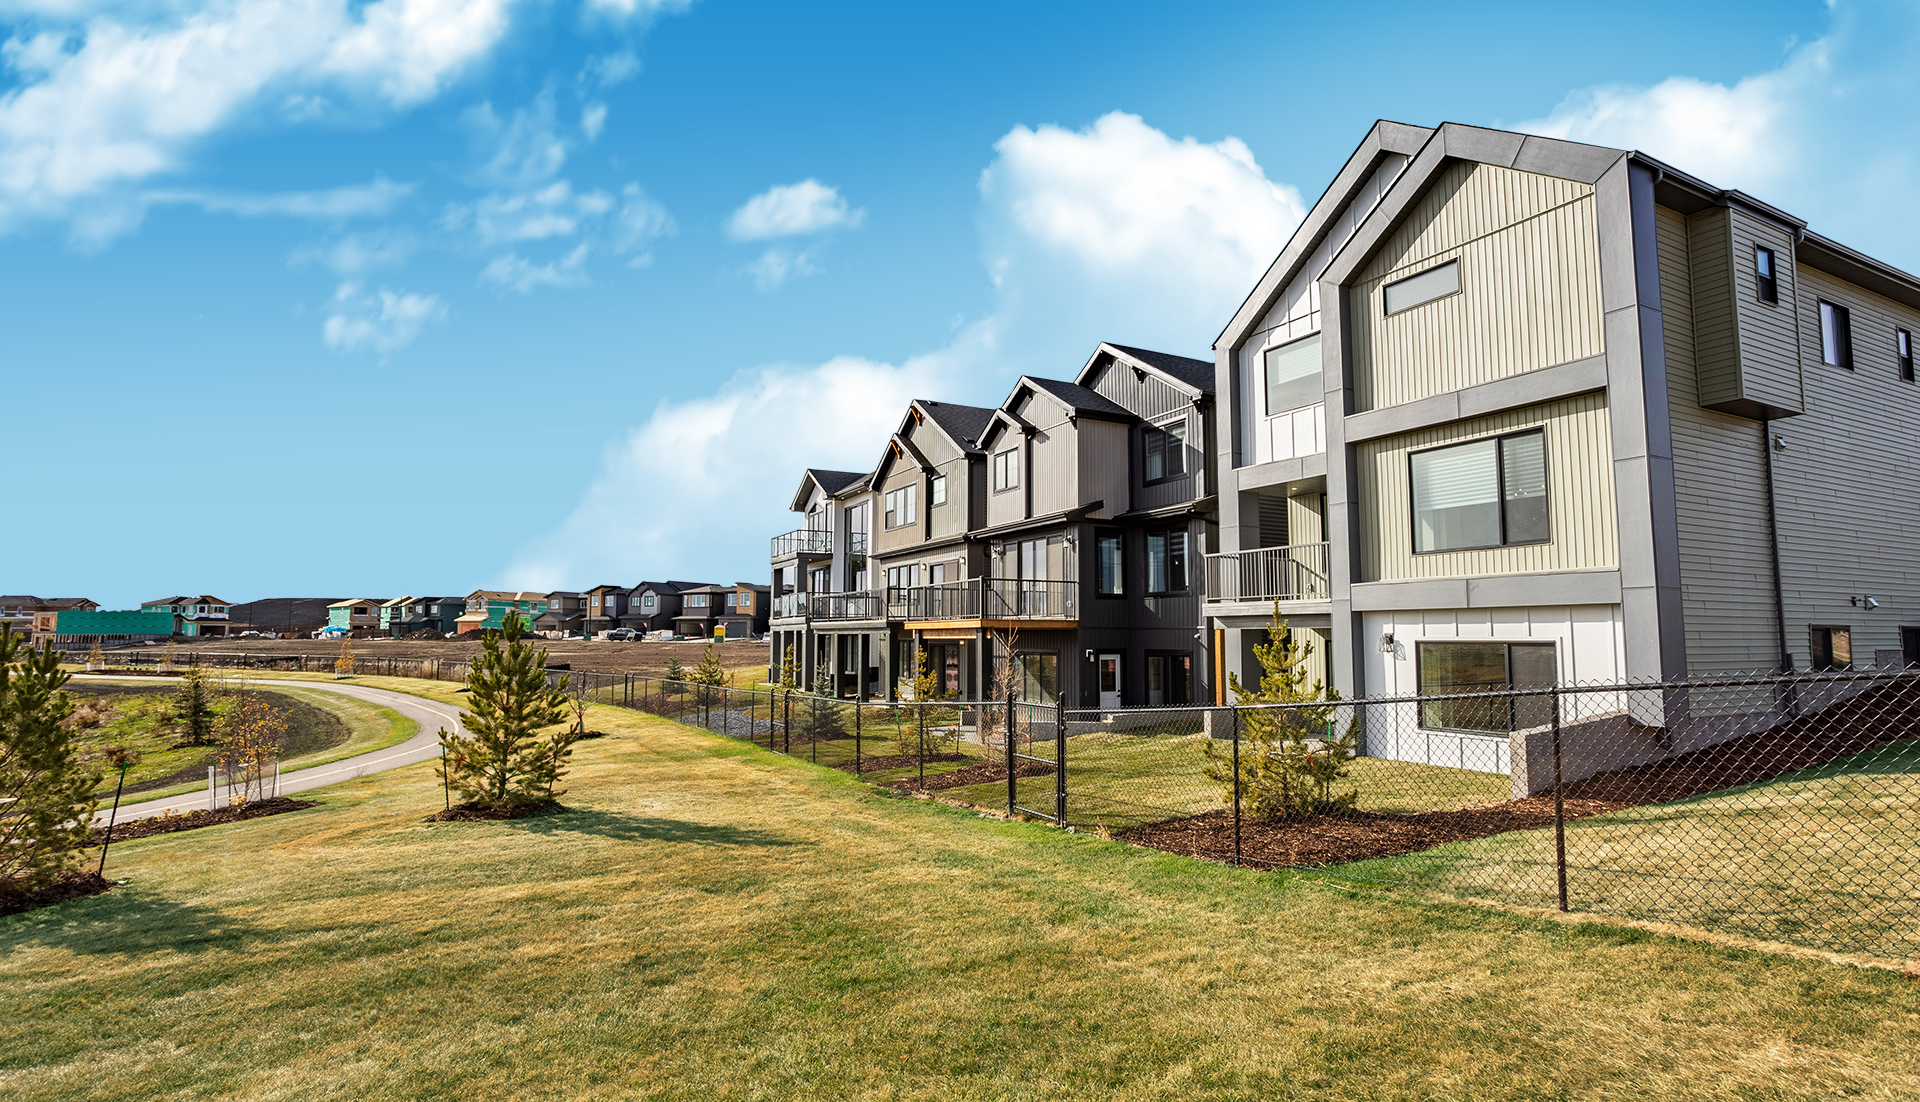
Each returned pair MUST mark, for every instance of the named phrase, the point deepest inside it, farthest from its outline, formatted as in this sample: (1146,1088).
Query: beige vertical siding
(1304,522)
(1719,473)
(1579,495)
(1529,279)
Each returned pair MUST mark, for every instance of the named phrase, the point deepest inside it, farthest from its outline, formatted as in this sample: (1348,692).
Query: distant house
(194,616)
(700,609)
(566,613)
(744,609)
(358,616)
(653,606)
(605,605)
(487,609)
(20,611)
(75,629)
(406,615)
(287,616)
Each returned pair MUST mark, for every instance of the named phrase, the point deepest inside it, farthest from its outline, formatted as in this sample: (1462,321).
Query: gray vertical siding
(1747,350)
(1144,394)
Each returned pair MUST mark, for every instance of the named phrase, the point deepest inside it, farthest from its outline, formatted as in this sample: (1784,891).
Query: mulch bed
(194,820)
(71,886)
(977,773)
(486,813)
(1338,839)
(895,761)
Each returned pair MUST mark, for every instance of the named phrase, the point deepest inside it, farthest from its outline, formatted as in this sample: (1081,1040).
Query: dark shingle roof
(833,482)
(965,424)
(1194,373)
(1081,400)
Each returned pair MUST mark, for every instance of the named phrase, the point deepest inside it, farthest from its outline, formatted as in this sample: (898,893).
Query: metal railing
(986,599)
(803,541)
(846,606)
(1297,572)
(790,606)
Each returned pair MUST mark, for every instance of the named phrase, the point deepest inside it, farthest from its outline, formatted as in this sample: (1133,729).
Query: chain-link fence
(1782,808)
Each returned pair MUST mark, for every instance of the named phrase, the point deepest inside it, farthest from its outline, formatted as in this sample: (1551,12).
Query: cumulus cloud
(514,273)
(773,268)
(358,253)
(104,102)
(380,321)
(1102,233)
(793,209)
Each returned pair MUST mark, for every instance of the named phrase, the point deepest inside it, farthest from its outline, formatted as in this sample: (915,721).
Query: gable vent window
(1836,335)
(1418,290)
(1769,285)
(1903,347)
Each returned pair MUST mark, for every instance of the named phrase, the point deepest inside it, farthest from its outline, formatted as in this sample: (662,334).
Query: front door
(1109,681)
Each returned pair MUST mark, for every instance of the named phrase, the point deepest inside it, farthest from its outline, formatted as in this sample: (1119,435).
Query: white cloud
(593,119)
(521,150)
(644,9)
(358,253)
(105,101)
(774,267)
(513,272)
(790,209)
(383,321)
(335,204)
(1114,232)
(640,222)
(610,69)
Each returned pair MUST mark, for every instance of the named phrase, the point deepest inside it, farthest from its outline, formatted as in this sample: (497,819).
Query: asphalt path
(425,746)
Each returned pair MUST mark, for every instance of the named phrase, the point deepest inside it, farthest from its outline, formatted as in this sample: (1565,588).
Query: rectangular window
(733,601)
(1831,647)
(1769,285)
(1006,469)
(937,490)
(1486,493)
(1040,678)
(1903,348)
(1166,562)
(1836,335)
(1169,679)
(647,601)
(696,600)
(937,574)
(903,577)
(1910,647)
(1293,375)
(900,507)
(1418,290)
(1166,448)
(1450,668)
(1110,565)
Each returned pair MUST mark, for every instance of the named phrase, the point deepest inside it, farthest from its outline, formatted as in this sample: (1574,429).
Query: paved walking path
(425,746)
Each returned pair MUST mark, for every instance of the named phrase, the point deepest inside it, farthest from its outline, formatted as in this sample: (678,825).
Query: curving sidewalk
(424,746)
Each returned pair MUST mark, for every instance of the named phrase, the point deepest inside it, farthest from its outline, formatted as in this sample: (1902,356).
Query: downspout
(1773,545)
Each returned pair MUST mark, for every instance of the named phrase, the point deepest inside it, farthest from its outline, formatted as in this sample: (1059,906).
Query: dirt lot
(746,658)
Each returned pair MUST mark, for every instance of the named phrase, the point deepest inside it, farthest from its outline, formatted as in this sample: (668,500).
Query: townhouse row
(1506,411)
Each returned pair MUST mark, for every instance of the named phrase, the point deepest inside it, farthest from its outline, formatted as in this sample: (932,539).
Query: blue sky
(306,297)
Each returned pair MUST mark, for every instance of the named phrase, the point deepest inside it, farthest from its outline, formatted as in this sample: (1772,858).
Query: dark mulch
(194,820)
(71,886)
(978,773)
(1337,839)
(895,761)
(488,813)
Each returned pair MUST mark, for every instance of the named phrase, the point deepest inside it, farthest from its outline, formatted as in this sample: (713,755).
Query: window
(1166,450)
(937,490)
(647,601)
(733,601)
(903,577)
(1169,679)
(1110,565)
(1910,647)
(1040,678)
(1006,469)
(1903,348)
(937,574)
(1832,647)
(1449,668)
(1769,286)
(1487,493)
(900,507)
(1293,375)
(696,600)
(1836,335)
(1418,290)
(1166,562)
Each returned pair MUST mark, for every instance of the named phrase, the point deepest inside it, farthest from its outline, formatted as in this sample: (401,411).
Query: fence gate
(1036,734)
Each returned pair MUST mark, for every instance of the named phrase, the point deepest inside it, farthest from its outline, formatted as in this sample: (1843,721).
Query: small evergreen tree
(817,715)
(675,671)
(193,707)
(1290,757)
(502,763)
(708,676)
(47,794)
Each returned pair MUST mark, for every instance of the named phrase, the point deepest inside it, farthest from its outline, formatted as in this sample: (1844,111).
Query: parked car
(623,635)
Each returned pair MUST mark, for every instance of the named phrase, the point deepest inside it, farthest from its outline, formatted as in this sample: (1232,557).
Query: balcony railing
(1294,573)
(787,606)
(846,606)
(805,541)
(986,599)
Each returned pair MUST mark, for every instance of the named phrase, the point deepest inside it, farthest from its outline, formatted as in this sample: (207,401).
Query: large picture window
(1166,562)
(1293,375)
(1480,667)
(1487,493)
(1166,448)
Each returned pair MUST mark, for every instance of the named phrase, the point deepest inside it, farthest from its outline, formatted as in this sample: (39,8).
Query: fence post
(856,738)
(1235,713)
(1060,761)
(786,725)
(1559,809)
(920,744)
(1013,790)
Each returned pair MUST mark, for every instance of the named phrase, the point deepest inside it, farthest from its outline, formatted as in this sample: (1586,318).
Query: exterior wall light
(1386,643)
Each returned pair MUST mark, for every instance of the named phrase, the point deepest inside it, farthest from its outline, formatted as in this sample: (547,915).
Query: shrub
(47,794)
(1291,758)
(501,762)
(193,707)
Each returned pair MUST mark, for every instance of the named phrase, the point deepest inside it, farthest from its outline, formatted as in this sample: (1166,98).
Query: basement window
(1831,647)
(1764,278)
(1418,290)
(1452,668)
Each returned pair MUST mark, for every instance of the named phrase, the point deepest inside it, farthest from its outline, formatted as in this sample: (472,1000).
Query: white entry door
(1109,681)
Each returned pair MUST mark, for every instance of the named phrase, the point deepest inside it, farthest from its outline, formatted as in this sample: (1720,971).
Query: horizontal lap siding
(1579,495)
(1529,277)
(1719,474)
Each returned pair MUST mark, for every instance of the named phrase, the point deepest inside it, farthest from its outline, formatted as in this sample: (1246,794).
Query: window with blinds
(1293,375)
(1485,493)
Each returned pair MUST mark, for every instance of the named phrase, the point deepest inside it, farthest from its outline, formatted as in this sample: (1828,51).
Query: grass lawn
(717,922)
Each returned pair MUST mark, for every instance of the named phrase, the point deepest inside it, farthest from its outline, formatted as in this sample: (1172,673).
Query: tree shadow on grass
(124,921)
(639,828)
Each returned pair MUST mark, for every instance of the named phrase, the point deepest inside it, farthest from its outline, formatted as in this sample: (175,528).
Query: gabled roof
(351,601)
(831,483)
(397,601)
(203,599)
(669,587)
(1079,399)
(964,425)
(608,589)
(1197,374)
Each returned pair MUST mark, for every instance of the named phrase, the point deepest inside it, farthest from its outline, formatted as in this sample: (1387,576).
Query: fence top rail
(1578,689)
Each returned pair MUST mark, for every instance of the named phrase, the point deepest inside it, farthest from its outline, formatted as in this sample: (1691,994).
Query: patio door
(1109,675)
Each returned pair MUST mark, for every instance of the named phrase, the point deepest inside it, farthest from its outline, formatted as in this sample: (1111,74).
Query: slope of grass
(714,922)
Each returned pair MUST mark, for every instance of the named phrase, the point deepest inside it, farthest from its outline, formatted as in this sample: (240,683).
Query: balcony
(805,541)
(1294,573)
(987,600)
(846,606)
(790,606)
